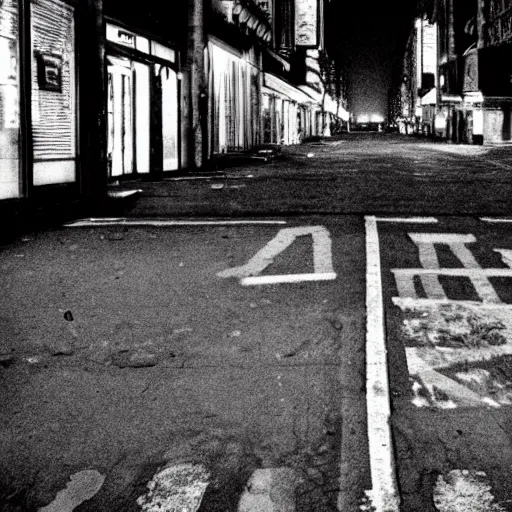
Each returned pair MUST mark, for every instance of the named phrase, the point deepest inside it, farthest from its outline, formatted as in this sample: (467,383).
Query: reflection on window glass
(9,101)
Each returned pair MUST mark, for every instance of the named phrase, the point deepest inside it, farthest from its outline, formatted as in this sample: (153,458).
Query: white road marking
(384,494)
(399,301)
(287,278)
(163,222)
(431,270)
(467,272)
(411,220)
(506,256)
(495,219)
(322,258)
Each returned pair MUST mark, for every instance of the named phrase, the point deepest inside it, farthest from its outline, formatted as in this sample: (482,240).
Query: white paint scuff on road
(81,487)
(322,258)
(384,494)
(166,222)
(464,491)
(270,490)
(441,339)
(177,488)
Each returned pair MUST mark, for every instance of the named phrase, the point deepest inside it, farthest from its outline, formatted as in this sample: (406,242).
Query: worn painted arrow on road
(322,259)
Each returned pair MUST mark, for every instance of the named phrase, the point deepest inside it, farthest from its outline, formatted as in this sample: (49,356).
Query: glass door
(120,117)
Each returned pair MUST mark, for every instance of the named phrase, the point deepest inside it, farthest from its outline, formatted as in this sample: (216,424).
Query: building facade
(41,131)
(471,99)
(97,91)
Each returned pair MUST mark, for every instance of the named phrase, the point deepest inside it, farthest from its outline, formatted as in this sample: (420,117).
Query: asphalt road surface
(290,336)
(130,351)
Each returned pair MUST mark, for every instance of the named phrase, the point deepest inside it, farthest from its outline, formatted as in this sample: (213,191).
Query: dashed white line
(384,494)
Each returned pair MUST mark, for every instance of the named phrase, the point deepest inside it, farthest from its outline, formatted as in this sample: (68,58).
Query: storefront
(38,96)
(286,111)
(143,115)
(234,95)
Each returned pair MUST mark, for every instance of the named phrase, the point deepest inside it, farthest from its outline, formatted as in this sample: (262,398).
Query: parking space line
(288,278)
(496,219)
(121,221)
(412,220)
(384,494)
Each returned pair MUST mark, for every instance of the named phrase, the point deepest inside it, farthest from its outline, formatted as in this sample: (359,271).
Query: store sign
(429,48)
(306,23)
(49,72)
(470,81)
(120,36)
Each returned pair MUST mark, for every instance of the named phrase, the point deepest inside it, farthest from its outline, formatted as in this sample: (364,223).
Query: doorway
(142,118)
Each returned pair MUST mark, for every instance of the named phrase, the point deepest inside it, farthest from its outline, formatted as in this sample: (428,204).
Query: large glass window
(9,100)
(53,92)
(142,116)
(169,119)
(232,96)
(120,116)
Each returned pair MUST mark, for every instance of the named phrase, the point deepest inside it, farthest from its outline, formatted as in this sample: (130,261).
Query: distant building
(466,97)
(418,92)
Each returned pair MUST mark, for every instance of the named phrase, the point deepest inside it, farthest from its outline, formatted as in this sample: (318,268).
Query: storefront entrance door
(120,117)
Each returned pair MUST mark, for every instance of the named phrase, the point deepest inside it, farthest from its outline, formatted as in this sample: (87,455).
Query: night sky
(371,36)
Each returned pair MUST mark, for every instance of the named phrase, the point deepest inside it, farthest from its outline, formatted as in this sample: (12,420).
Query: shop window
(53,92)
(9,101)
(169,119)
(120,116)
(231,94)
(142,116)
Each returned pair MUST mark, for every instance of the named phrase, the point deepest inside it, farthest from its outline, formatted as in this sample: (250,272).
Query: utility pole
(197,83)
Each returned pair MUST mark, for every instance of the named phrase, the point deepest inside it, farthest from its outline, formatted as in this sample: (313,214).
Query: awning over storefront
(330,105)
(273,84)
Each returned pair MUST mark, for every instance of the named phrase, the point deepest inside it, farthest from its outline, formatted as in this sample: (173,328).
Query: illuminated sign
(306,23)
